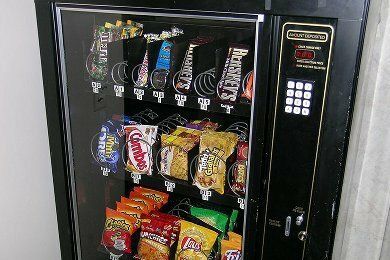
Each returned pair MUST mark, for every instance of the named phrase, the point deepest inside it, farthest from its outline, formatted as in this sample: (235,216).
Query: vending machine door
(162,130)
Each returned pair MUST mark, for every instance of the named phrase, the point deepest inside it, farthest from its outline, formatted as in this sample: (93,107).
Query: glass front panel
(159,118)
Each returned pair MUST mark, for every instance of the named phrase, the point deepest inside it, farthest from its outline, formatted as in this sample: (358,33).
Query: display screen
(304,54)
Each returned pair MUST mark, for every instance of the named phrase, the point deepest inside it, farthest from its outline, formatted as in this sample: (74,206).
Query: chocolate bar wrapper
(228,87)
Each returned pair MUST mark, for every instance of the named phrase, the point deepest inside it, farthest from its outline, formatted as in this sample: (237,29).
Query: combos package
(139,142)
(175,151)
(239,172)
(214,150)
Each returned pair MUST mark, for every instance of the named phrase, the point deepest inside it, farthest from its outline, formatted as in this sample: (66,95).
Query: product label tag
(204,103)
(228,108)
(206,194)
(180,99)
(159,95)
(136,177)
(170,186)
(96,86)
(119,90)
(139,93)
(241,203)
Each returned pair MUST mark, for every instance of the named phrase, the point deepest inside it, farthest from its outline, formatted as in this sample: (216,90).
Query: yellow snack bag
(195,242)
(215,148)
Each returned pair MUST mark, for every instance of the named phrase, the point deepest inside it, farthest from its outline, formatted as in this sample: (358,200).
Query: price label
(204,103)
(105,171)
(136,177)
(181,99)
(159,95)
(139,93)
(119,90)
(241,203)
(206,194)
(170,186)
(228,108)
(96,86)
(114,257)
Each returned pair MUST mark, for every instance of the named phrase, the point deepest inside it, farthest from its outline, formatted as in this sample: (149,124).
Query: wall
(27,209)
(363,228)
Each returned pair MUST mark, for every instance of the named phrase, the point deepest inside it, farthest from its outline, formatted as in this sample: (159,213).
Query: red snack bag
(150,203)
(239,174)
(155,239)
(248,91)
(136,204)
(160,197)
(175,221)
(131,211)
(118,229)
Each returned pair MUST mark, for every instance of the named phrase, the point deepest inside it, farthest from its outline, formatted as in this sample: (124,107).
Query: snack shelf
(183,188)
(169,97)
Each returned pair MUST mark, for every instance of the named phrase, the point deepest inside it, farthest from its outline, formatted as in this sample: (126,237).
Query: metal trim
(59,34)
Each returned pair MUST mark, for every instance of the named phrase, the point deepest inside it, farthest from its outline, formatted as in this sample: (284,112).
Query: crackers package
(215,148)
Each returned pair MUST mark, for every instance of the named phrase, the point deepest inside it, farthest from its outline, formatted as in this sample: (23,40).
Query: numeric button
(290,93)
(291,84)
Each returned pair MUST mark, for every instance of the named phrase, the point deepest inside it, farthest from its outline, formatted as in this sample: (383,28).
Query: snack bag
(233,219)
(173,219)
(214,218)
(186,132)
(239,174)
(202,125)
(150,203)
(215,148)
(195,242)
(131,211)
(155,239)
(136,204)
(174,154)
(118,229)
(159,197)
(248,91)
(231,249)
(139,142)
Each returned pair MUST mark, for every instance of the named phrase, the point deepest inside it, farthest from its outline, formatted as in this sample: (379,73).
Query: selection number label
(181,99)
(96,86)
(119,90)
(206,194)
(139,93)
(136,177)
(204,103)
(159,95)
(170,186)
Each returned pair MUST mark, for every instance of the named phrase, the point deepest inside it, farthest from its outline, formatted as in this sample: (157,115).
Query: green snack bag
(232,220)
(214,218)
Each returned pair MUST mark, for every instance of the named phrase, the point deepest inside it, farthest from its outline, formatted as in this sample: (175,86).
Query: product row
(174,60)
(139,228)
(193,151)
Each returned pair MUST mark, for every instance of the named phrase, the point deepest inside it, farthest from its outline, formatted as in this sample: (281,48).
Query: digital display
(304,54)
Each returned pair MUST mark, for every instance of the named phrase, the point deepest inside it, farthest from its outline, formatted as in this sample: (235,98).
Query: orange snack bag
(135,204)
(118,229)
(160,197)
(150,203)
(131,211)
(231,249)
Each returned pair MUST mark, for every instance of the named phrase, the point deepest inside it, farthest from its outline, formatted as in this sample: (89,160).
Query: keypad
(298,97)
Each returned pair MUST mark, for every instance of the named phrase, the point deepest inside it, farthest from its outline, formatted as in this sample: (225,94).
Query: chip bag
(215,148)
(155,239)
(159,197)
(173,219)
(239,173)
(149,202)
(131,211)
(195,242)
(118,229)
(136,204)
(214,218)
(231,249)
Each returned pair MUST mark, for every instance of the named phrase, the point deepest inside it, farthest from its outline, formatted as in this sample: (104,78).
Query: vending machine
(199,129)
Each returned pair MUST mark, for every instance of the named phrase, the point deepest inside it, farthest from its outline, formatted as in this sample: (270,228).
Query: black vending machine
(199,129)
